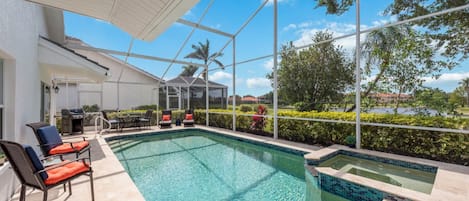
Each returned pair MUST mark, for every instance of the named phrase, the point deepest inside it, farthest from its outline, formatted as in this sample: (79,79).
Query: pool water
(196,165)
(409,178)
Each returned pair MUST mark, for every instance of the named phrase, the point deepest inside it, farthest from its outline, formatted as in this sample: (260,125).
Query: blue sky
(298,21)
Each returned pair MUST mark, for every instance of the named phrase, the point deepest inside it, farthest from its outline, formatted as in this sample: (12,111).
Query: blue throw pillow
(36,162)
(50,136)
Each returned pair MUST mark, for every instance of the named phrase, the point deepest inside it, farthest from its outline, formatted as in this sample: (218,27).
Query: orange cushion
(61,173)
(188,116)
(67,148)
(166,117)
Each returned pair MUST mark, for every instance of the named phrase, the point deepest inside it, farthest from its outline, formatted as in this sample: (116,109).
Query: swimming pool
(198,165)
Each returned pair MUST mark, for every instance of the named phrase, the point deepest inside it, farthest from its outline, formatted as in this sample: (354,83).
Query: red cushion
(166,117)
(67,148)
(188,116)
(62,173)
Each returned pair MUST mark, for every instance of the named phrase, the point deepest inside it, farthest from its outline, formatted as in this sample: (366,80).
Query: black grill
(72,120)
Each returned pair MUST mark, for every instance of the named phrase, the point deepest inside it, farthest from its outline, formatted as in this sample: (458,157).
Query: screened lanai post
(275,72)
(233,101)
(357,76)
(167,97)
(188,97)
(206,97)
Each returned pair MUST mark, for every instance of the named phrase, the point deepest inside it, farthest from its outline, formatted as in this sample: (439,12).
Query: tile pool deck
(111,182)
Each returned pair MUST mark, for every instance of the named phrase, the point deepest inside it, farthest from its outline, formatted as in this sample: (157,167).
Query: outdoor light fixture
(47,88)
(56,89)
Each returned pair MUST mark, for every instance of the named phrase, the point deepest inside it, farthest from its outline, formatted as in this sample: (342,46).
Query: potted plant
(350,141)
(2,159)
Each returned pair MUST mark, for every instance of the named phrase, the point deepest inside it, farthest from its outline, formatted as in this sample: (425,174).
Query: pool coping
(450,183)
(109,154)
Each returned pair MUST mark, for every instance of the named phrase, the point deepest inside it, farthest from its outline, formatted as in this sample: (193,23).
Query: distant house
(248,99)
(189,92)
(390,97)
(127,86)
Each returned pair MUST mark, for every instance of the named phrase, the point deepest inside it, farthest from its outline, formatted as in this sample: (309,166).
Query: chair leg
(69,187)
(23,193)
(65,187)
(45,196)
(92,185)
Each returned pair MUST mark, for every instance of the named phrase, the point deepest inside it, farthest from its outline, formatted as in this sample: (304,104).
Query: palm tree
(202,52)
(377,50)
(465,85)
(189,70)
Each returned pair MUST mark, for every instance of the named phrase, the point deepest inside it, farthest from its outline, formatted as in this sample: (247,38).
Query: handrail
(96,124)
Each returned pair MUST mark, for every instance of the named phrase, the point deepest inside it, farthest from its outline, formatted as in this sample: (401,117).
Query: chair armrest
(43,145)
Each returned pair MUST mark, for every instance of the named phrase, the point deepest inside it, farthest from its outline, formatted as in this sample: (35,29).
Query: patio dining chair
(188,118)
(31,172)
(165,119)
(113,123)
(51,143)
(146,120)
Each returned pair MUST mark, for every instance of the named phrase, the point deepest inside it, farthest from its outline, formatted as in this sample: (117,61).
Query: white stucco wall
(21,23)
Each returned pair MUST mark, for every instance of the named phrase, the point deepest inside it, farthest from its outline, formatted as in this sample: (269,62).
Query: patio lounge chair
(188,118)
(32,173)
(146,120)
(114,123)
(165,119)
(51,143)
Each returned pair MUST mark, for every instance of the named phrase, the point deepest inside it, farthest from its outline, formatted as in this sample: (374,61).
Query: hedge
(434,145)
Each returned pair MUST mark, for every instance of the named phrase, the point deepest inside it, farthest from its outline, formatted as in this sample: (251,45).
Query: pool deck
(111,182)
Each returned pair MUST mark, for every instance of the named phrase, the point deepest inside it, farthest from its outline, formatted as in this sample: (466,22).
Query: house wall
(135,88)
(21,23)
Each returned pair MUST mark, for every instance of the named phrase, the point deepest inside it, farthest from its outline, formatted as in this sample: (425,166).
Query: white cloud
(337,29)
(271,2)
(447,77)
(220,76)
(217,26)
(258,82)
(289,27)
(268,65)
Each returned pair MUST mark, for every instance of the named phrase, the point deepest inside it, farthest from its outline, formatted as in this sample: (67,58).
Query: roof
(198,82)
(76,40)
(72,51)
(62,63)
(143,19)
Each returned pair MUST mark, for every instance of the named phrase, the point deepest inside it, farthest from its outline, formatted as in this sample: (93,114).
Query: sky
(298,21)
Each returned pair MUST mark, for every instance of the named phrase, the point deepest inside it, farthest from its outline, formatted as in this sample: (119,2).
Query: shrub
(245,108)
(91,108)
(145,107)
(435,145)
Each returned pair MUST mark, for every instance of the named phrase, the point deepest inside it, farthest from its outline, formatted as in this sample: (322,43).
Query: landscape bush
(435,145)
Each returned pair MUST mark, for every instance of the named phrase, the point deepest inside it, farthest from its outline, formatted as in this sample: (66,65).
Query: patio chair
(146,120)
(51,143)
(31,172)
(188,118)
(114,123)
(165,119)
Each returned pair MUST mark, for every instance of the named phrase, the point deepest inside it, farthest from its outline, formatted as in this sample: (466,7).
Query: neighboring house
(127,86)
(32,61)
(189,93)
(248,99)
(390,97)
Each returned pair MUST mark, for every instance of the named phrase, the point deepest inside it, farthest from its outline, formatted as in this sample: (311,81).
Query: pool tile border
(242,139)
(401,163)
